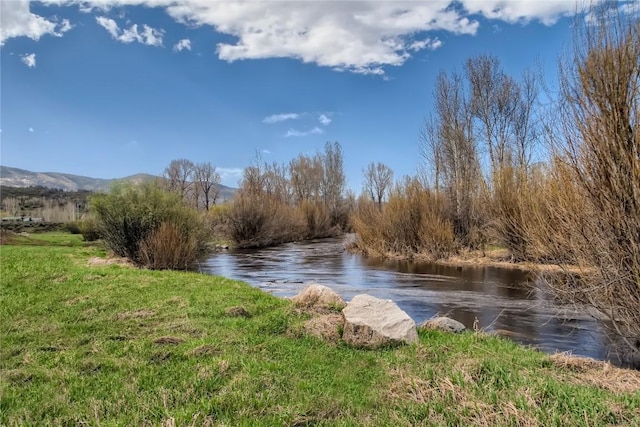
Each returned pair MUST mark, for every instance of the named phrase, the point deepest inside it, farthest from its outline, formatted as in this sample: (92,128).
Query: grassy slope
(112,345)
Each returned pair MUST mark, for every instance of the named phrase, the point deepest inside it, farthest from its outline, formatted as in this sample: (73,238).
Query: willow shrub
(148,224)
(410,223)
(257,219)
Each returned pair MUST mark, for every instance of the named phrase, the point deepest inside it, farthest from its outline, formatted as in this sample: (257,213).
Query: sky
(111,88)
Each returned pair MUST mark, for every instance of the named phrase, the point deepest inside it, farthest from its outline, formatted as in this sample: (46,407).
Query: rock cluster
(365,322)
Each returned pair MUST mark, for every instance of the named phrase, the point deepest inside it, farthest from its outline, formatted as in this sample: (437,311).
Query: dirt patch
(204,350)
(326,327)
(236,312)
(585,371)
(138,314)
(168,340)
(76,300)
(97,261)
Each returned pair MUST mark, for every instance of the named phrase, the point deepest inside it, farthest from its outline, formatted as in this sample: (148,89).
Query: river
(504,301)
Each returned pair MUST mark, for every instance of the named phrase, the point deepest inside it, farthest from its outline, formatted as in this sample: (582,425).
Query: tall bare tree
(378,178)
(179,177)
(333,182)
(431,152)
(306,174)
(494,102)
(457,151)
(207,183)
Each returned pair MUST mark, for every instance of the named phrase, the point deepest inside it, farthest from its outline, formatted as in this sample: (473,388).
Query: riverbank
(491,257)
(501,258)
(92,343)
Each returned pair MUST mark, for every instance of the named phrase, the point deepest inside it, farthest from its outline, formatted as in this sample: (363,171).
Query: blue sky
(113,88)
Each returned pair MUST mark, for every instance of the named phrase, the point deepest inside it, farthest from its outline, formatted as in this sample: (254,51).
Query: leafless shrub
(412,222)
(168,247)
(600,148)
(255,220)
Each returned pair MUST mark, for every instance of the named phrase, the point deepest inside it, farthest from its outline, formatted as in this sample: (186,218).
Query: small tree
(378,178)
(207,184)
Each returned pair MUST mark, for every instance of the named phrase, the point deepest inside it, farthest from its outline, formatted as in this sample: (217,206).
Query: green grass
(113,345)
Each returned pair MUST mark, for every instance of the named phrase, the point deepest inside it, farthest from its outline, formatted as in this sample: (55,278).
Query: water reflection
(504,301)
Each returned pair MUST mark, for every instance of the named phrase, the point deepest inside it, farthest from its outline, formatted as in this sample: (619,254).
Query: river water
(506,302)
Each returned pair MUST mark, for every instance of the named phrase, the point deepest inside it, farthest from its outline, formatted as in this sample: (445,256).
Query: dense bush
(73,227)
(167,247)
(411,223)
(89,228)
(132,215)
(256,220)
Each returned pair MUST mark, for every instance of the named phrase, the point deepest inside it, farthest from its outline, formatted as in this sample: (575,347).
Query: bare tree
(179,177)
(457,151)
(276,184)
(494,102)
(378,178)
(333,182)
(431,152)
(207,183)
(306,175)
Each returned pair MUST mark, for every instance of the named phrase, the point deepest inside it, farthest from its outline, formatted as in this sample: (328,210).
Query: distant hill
(14,177)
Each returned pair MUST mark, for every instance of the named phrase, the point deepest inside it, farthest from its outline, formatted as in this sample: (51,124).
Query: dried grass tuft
(138,314)
(585,371)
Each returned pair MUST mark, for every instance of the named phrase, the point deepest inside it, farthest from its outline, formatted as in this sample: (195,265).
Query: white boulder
(371,322)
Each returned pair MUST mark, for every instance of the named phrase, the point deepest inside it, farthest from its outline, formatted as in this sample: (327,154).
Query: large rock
(443,324)
(318,298)
(371,322)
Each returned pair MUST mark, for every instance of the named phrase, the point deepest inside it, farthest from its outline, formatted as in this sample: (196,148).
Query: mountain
(14,177)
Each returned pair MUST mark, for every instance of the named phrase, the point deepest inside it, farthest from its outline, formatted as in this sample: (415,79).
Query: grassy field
(87,343)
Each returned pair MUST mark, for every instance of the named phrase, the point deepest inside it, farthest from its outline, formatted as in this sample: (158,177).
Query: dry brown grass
(138,314)
(325,326)
(97,261)
(406,387)
(585,371)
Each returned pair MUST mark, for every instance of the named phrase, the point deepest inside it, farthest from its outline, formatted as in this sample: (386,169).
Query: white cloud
(265,151)
(324,119)
(293,132)
(547,12)
(16,20)
(356,36)
(182,45)
(431,44)
(32,130)
(29,60)
(109,25)
(275,118)
(230,175)
(149,36)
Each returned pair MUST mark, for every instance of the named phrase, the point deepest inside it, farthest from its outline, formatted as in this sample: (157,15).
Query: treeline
(301,200)
(171,222)
(50,204)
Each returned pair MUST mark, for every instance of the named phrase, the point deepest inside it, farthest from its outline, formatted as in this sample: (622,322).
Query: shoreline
(495,258)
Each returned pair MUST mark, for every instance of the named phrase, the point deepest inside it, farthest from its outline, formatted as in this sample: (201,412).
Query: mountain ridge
(16,177)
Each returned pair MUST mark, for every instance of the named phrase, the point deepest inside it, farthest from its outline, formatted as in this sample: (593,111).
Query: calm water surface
(504,301)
